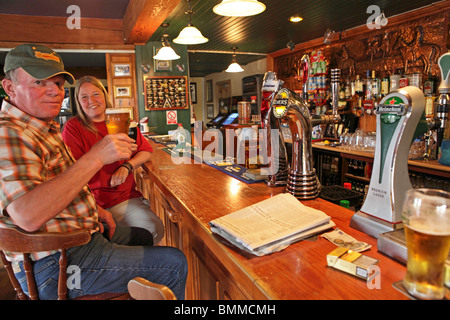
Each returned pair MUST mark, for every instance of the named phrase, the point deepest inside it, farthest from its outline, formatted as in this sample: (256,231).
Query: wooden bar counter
(188,196)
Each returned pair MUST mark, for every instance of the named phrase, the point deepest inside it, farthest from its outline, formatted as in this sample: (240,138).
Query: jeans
(107,267)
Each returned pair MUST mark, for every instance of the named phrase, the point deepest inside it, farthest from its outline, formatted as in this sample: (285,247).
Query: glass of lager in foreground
(117,120)
(426,217)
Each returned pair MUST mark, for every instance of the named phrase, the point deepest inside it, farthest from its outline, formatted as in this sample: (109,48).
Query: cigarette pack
(351,262)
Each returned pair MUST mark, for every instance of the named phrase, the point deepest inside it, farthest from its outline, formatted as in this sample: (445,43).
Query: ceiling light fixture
(295,19)
(239,8)
(166,52)
(190,34)
(234,66)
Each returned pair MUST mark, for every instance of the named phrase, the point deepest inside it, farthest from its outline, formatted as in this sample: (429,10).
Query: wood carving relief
(413,47)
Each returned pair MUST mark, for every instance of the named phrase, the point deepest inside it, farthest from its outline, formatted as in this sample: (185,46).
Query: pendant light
(239,8)
(190,34)
(234,66)
(166,52)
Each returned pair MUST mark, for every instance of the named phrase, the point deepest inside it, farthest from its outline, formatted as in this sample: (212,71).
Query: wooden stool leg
(62,280)
(16,285)
(28,266)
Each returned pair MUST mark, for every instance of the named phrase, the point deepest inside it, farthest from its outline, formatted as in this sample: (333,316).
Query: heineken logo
(398,109)
(394,105)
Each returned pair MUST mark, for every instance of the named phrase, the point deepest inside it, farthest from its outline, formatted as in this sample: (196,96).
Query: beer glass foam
(117,120)
(426,216)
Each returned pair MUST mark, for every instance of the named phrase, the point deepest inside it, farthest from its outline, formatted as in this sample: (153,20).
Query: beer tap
(443,103)
(292,109)
(305,62)
(432,124)
(275,143)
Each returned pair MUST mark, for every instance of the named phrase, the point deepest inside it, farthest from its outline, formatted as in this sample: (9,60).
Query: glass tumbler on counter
(369,141)
(359,139)
(426,217)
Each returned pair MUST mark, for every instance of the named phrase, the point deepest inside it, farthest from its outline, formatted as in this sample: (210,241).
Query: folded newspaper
(271,225)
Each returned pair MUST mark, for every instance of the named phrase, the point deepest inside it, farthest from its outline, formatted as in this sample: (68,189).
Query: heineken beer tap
(400,119)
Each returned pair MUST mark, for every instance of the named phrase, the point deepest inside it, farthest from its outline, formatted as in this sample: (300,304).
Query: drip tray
(393,244)
(337,193)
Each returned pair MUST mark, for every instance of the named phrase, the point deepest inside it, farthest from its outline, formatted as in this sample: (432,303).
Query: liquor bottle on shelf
(368,91)
(359,89)
(385,86)
(353,89)
(404,81)
(348,90)
(350,168)
(429,86)
(394,80)
(376,87)
(359,96)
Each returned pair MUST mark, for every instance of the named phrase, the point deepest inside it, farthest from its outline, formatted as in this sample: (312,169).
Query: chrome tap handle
(306,67)
(335,79)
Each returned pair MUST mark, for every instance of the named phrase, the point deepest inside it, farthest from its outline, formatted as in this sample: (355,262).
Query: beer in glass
(117,120)
(426,217)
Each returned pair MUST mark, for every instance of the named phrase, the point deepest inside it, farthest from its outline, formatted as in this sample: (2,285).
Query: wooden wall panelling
(125,79)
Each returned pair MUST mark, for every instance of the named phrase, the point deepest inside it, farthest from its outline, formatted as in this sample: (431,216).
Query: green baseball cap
(37,60)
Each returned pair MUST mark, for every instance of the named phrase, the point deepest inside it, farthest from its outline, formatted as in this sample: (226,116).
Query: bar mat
(234,170)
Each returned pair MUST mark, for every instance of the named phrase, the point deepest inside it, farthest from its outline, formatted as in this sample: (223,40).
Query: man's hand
(113,147)
(106,217)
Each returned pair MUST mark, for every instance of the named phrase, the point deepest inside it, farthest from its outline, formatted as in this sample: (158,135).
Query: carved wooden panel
(413,47)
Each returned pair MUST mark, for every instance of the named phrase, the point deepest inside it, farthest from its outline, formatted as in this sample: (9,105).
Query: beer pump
(276,148)
(288,107)
(443,103)
(400,119)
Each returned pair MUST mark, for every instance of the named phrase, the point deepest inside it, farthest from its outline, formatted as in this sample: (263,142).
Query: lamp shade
(239,8)
(166,53)
(190,35)
(234,67)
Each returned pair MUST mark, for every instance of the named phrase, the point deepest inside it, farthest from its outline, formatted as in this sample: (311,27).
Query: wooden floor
(6,290)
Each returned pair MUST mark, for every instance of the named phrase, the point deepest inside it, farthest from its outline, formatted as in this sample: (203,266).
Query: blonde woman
(114,186)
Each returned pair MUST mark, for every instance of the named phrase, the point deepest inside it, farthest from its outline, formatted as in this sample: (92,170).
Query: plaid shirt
(32,152)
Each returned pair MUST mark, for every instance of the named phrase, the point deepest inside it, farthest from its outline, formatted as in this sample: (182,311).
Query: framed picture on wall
(161,65)
(122,91)
(210,111)
(122,70)
(167,92)
(209,91)
(193,88)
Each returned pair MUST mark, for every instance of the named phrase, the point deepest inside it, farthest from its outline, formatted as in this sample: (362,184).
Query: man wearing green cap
(43,188)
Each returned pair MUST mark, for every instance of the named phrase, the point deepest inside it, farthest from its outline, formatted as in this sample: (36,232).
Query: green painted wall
(144,56)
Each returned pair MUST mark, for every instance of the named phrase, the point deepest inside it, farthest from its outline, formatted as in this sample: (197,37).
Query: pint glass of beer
(426,217)
(117,120)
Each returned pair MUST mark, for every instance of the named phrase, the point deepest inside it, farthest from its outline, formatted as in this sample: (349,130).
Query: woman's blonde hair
(80,112)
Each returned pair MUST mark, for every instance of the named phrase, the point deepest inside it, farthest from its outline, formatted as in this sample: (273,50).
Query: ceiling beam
(42,29)
(144,17)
